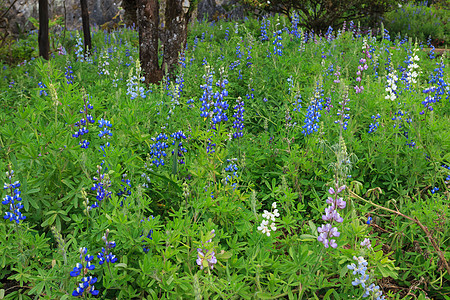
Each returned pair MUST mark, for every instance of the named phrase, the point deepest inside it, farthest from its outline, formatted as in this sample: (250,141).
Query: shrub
(421,22)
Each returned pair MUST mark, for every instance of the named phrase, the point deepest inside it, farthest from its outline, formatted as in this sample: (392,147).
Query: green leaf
(175,160)
(264,295)
(224,255)
(174,184)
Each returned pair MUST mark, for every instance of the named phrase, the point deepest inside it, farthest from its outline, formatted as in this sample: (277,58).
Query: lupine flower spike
(82,268)
(106,254)
(13,199)
(363,279)
(205,255)
(327,232)
(269,219)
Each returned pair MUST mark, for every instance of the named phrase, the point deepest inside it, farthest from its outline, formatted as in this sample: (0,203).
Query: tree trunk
(86,27)
(175,32)
(130,8)
(43,40)
(148,22)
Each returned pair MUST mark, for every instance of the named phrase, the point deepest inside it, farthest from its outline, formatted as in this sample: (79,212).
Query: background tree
(43,40)
(86,27)
(318,15)
(168,38)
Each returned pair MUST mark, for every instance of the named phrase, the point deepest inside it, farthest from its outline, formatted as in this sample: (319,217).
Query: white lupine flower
(276,214)
(267,215)
(391,86)
(272,227)
(266,226)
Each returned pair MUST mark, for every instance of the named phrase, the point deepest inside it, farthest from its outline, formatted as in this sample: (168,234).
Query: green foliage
(172,209)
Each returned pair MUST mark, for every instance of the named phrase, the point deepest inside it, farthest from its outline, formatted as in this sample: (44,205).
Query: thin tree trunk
(148,22)
(86,28)
(43,40)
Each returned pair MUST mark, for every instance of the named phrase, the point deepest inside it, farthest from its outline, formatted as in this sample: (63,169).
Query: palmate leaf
(173,183)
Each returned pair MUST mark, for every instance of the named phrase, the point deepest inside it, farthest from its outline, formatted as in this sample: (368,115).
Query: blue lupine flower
(369,220)
(231,168)
(42,86)
(361,281)
(125,192)
(238,51)
(157,149)
(294,25)
(375,124)
(177,138)
(101,187)
(76,270)
(264,24)
(104,133)
(249,56)
(220,105)
(149,236)
(133,88)
(210,146)
(206,98)
(369,289)
(234,65)
(106,254)
(278,46)
(83,124)
(13,200)
(238,123)
(79,49)
(313,112)
(69,74)
(87,282)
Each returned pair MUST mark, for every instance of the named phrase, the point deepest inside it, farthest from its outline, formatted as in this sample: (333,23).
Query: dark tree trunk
(148,22)
(130,8)
(43,40)
(175,33)
(86,27)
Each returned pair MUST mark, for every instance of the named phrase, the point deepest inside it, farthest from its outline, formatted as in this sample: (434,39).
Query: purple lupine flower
(206,256)
(327,231)
(362,67)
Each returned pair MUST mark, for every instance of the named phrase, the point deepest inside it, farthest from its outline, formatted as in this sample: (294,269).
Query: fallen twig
(415,220)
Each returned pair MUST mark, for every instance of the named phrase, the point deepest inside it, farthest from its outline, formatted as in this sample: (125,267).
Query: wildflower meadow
(275,163)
